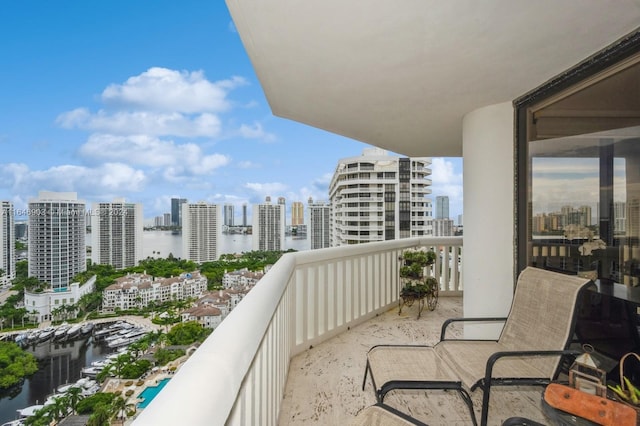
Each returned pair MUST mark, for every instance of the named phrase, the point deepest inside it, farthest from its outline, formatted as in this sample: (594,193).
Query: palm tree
(118,408)
(75,395)
(60,407)
(120,362)
(100,416)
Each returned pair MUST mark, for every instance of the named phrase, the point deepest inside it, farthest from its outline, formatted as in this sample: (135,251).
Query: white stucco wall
(488,135)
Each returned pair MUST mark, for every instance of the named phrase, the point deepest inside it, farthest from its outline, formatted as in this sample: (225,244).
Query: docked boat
(46,334)
(28,411)
(87,328)
(73,331)
(91,372)
(61,331)
(22,339)
(112,329)
(17,422)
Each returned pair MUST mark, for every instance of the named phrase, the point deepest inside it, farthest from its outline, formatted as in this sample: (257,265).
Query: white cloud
(108,178)
(142,122)
(248,165)
(255,131)
(176,159)
(444,179)
(162,89)
(262,190)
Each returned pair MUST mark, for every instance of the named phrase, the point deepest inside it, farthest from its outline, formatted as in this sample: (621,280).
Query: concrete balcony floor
(324,386)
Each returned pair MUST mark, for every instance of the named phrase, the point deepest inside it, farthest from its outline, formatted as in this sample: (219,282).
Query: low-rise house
(41,306)
(207,316)
(138,290)
(241,278)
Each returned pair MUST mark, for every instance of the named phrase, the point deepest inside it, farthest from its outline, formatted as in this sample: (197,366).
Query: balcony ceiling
(402,74)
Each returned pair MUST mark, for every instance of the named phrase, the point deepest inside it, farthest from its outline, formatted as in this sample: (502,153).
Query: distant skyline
(120,99)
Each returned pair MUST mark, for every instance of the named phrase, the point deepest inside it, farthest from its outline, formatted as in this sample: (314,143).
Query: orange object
(599,410)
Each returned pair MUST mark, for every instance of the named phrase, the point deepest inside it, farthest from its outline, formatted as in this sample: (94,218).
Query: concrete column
(488,259)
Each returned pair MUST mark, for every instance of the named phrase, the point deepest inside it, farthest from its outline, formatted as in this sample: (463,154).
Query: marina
(69,356)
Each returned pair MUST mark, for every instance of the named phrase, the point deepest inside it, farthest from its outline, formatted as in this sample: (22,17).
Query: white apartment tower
(116,233)
(7,242)
(378,197)
(268,226)
(57,229)
(319,224)
(201,231)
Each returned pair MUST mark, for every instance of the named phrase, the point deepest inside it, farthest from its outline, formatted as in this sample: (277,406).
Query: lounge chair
(535,336)
(383,415)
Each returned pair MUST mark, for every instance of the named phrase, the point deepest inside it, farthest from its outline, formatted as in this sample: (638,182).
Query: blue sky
(150,100)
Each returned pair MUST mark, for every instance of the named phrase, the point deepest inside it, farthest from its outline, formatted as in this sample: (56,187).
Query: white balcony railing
(238,375)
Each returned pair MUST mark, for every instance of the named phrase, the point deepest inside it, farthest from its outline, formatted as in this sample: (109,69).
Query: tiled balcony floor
(325,383)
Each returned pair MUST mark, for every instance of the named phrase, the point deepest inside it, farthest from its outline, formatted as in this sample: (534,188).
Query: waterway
(59,363)
(162,243)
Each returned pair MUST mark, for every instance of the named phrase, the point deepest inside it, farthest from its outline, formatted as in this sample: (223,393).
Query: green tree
(15,364)
(187,333)
(100,416)
(75,396)
(89,404)
(119,408)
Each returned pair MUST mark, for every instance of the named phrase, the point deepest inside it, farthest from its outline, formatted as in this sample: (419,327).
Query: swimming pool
(150,392)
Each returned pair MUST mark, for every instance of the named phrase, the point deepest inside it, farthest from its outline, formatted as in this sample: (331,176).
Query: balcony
(293,351)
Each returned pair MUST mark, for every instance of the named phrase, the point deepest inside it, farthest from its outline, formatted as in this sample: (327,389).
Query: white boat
(91,372)
(17,422)
(46,334)
(112,329)
(61,331)
(122,341)
(21,338)
(73,331)
(86,328)
(135,333)
(102,363)
(65,388)
(29,411)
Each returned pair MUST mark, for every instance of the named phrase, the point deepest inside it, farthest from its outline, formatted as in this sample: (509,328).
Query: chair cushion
(469,360)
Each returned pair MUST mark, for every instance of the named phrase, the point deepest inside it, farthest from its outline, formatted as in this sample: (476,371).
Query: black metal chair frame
(485,383)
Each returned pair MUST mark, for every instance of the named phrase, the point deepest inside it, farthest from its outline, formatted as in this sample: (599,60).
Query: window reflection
(584,204)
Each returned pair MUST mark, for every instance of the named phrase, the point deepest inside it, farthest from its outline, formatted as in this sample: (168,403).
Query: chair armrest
(505,354)
(452,320)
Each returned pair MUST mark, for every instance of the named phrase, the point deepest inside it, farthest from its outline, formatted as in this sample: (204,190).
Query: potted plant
(417,287)
(414,262)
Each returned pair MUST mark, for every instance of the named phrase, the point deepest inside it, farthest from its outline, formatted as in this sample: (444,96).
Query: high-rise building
(297,213)
(201,231)
(442,227)
(442,207)
(283,202)
(228,214)
(176,211)
(377,197)
(244,215)
(57,229)
(268,226)
(7,242)
(319,224)
(21,230)
(166,219)
(116,233)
